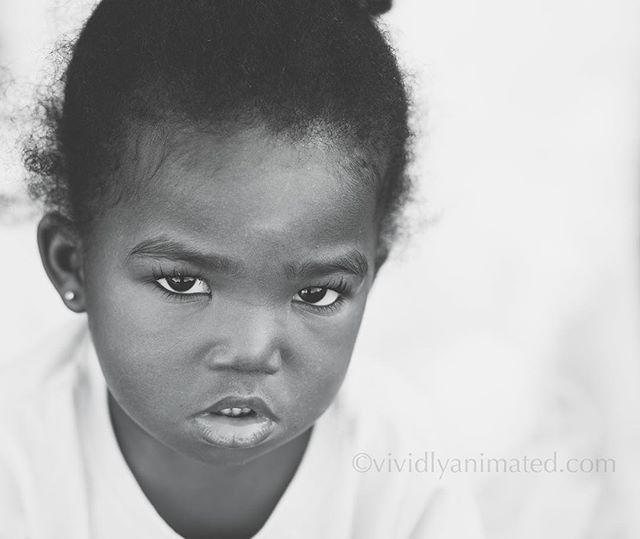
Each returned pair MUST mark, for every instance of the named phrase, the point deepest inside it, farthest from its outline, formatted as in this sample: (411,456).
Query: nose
(248,338)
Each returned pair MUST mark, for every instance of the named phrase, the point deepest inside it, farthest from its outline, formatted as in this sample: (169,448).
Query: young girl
(222,187)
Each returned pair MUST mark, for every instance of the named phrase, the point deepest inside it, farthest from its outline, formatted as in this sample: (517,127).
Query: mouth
(236,412)
(236,422)
(241,407)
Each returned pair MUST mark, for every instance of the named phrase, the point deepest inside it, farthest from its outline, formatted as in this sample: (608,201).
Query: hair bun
(375,7)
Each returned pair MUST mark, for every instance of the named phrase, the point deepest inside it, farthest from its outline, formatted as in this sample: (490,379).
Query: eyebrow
(173,250)
(352,262)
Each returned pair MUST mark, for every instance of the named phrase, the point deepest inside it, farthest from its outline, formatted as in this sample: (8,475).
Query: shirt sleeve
(451,514)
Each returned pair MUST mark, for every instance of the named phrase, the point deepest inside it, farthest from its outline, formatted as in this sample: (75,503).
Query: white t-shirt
(62,474)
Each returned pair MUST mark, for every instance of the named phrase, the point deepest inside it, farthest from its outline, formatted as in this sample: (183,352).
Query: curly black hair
(290,65)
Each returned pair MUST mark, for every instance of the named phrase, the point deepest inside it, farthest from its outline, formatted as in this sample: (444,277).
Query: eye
(184,285)
(317,296)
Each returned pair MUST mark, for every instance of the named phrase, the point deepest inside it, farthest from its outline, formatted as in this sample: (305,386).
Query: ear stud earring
(69,295)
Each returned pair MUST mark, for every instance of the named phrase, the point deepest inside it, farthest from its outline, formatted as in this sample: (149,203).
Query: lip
(226,431)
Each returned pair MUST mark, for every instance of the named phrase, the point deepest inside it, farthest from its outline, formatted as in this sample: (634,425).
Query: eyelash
(340,286)
(178,273)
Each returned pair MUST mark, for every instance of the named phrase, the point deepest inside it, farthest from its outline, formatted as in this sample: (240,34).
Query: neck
(170,479)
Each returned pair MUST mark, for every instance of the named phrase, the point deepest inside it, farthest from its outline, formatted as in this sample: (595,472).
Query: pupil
(313,295)
(181,284)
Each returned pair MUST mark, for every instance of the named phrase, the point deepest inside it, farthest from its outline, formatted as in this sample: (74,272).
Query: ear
(61,253)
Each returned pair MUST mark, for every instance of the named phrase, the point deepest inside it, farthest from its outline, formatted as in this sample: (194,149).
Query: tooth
(246,410)
(236,411)
(225,411)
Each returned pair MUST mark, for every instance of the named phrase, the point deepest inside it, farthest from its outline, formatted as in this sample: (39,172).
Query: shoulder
(389,410)
(395,448)
(36,390)
(45,362)
(12,515)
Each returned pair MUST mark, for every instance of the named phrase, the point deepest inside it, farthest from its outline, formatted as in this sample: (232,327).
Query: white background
(513,304)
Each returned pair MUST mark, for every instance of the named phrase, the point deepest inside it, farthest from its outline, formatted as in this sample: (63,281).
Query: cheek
(131,315)
(142,349)
(323,351)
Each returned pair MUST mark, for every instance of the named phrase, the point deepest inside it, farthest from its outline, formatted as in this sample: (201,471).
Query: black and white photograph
(319,269)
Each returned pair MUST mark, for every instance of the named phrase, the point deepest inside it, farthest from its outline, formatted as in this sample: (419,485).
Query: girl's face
(224,299)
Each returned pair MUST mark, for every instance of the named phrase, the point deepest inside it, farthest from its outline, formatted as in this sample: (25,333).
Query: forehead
(250,188)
